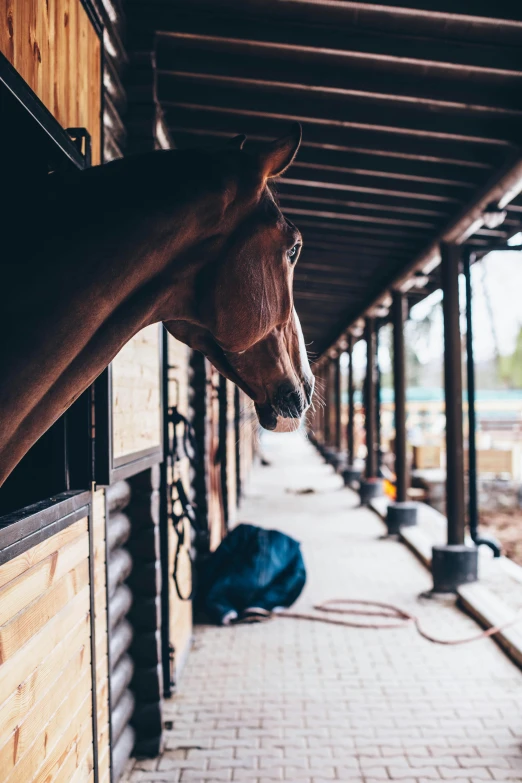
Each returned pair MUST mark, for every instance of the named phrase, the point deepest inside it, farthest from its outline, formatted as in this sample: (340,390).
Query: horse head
(245,321)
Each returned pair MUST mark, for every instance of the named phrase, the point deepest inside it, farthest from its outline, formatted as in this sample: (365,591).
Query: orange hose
(347,606)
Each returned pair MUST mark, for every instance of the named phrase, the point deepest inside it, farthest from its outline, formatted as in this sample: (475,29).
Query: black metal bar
(166,576)
(480,253)
(237,429)
(450,268)
(108,618)
(351,403)
(378,450)
(470,370)
(473,509)
(92,610)
(399,387)
(370,410)
(338,401)
(222,446)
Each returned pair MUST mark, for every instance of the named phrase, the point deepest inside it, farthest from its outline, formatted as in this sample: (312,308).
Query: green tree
(510,367)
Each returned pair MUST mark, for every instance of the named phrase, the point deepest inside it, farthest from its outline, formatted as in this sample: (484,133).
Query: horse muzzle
(286,409)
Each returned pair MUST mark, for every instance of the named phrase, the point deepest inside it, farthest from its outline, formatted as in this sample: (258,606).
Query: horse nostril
(289,402)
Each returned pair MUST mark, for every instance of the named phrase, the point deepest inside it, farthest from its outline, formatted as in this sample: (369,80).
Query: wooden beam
(370,219)
(453,90)
(356,229)
(307,107)
(295,195)
(336,31)
(200,121)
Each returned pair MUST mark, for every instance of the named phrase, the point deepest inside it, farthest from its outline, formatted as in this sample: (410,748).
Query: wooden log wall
(120,629)
(55,48)
(46,699)
(145,614)
(115,65)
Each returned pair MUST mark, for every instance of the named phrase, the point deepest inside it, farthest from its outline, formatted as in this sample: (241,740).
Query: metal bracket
(82,140)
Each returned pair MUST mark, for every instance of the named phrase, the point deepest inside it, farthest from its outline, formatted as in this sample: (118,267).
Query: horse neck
(86,310)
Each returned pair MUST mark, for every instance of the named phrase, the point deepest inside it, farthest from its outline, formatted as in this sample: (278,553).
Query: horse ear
(279,155)
(237,142)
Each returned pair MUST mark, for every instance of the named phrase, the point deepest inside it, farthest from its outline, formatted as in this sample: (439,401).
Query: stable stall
(94,630)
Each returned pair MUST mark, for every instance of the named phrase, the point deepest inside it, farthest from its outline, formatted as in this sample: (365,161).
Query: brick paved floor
(299,701)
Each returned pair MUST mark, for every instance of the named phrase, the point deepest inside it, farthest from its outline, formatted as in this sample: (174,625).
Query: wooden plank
(84,771)
(25,728)
(60,732)
(55,49)
(19,667)
(15,633)
(60,769)
(33,690)
(18,565)
(28,586)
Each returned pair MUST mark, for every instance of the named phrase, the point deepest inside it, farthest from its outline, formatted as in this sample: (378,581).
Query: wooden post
(453,393)
(399,387)
(370,411)
(351,403)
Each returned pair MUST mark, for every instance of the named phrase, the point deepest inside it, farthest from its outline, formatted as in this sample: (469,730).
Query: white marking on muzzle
(305,364)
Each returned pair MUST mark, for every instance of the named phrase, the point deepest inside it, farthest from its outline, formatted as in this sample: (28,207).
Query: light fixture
(380,311)
(493,216)
(516,239)
(420,280)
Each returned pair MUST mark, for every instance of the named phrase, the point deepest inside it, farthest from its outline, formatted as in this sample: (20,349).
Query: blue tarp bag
(252,572)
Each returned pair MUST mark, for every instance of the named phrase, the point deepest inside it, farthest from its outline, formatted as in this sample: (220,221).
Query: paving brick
(306,702)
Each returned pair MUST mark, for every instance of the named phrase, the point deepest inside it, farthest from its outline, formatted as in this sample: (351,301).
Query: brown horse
(194,239)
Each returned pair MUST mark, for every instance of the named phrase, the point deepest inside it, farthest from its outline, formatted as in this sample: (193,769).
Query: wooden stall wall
(136,395)
(180,611)
(55,48)
(46,700)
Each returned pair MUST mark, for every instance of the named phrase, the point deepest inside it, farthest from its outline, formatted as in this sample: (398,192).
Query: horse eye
(292,253)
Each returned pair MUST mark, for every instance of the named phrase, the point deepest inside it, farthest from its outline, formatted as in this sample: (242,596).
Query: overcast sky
(498,277)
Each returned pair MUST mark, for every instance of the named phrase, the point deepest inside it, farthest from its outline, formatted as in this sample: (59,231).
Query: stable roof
(412,121)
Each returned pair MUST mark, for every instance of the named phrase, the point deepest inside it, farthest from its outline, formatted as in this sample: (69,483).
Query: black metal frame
(33,524)
(470,256)
(18,89)
(399,305)
(370,401)
(351,404)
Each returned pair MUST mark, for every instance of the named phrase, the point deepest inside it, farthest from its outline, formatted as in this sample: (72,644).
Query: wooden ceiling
(407,113)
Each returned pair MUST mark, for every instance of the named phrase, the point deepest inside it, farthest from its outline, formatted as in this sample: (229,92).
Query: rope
(348,606)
